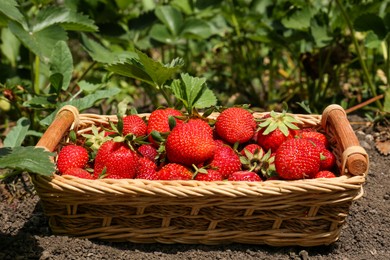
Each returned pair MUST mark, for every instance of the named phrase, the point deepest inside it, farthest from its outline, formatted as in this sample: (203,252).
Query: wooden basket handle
(65,117)
(354,158)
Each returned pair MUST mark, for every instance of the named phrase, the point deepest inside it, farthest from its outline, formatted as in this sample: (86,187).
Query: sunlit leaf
(18,133)
(9,8)
(61,62)
(171,18)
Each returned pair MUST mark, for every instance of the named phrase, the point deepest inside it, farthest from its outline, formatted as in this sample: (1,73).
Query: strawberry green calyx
(281,121)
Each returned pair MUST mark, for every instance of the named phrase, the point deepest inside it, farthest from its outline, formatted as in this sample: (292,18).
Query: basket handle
(354,158)
(65,117)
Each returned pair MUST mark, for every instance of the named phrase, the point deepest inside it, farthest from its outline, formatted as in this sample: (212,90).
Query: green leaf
(131,69)
(56,81)
(171,18)
(196,28)
(65,17)
(101,54)
(9,46)
(193,92)
(386,106)
(160,33)
(9,8)
(18,133)
(320,34)
(82,103)
(370,22)
(40,43)
(299,20)
(30,159)
(61,62)
(87,86)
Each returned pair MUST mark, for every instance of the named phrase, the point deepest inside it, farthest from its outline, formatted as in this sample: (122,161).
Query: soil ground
(24,232)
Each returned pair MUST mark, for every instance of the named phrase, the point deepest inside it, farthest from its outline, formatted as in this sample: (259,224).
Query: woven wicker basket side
(279,213)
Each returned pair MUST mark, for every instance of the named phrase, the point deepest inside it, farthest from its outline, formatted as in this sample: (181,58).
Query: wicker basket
(279,213)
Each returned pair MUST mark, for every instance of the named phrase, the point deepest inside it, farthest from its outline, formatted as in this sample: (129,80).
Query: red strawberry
(312,134)
(328,160)
(275,129)
(235,124)
(190,143)
(133,124)
(159,121)
(297,159)
(225,160)
(174,171)
(72,156)
(148,151)
(147,169)
(251,148)
(116,160)
(78,172)
(210,175)
(244,176)
(324,174)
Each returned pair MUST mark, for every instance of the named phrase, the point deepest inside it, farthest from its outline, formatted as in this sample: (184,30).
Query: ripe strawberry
(190,143)
(133,124)
(324,174)
(148,151)
(297,159)
(147,169)
(244,176)
(211,175)
(78,172)
(235,124)
(72,156)
(159,121)
(328,160)
(251,148)
(225,160)
(312,134)
(275,129)
(116,160)
(174,171)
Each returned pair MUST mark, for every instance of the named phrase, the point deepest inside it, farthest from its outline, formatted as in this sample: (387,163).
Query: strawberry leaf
(193,92)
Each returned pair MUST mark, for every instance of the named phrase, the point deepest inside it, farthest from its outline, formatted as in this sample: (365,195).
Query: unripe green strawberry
(174,171)
(116,160)
(190,143)
(78,172)
(225,160)
(244,176)
(72,156)
(147,169)
(297,159)
(133,124)
(235,124)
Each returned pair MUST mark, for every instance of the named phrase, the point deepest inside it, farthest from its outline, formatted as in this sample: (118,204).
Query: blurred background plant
(97,54)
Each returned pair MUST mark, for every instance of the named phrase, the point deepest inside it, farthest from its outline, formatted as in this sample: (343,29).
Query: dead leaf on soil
(383,147)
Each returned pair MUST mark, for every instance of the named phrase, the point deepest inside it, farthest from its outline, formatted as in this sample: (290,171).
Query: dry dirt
(24,232)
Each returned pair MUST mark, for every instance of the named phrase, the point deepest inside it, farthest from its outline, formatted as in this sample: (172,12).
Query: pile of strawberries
(171,146)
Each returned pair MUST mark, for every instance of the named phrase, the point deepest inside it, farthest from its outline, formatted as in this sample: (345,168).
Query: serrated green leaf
(87,86)
(206,99)
(30,159)
(61,62)
(131,69)
(299,20)
(82,103)
(40,43)
(65,17)
(18,133)
(9,8)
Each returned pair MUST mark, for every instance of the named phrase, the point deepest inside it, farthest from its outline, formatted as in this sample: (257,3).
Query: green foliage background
(96,54)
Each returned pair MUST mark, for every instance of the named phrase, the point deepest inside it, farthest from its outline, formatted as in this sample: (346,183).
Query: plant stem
(358,52)
(36,75)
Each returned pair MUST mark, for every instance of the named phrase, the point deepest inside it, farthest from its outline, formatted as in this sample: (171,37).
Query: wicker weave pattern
(279,213)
